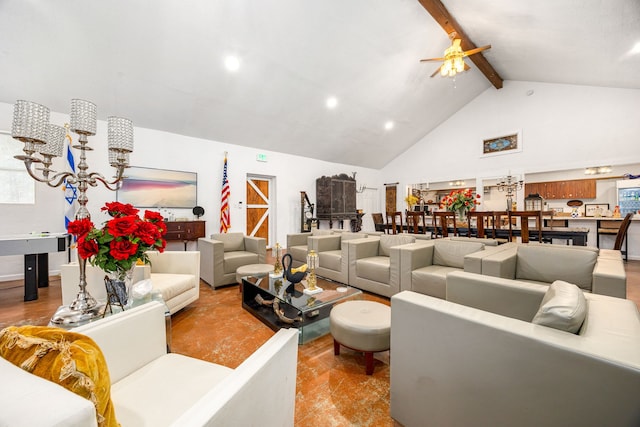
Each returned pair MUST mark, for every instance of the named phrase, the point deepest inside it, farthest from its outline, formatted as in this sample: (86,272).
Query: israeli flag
(70,190)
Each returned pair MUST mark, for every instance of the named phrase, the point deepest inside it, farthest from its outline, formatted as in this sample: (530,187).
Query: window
(16,186)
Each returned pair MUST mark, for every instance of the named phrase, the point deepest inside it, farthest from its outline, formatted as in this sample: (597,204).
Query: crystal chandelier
(44,141)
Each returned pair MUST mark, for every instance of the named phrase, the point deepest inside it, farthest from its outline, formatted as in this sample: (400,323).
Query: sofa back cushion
(386,242)
(231,241)
(548,264)
(563,307)
(348,235)
(451,253)
(316,232)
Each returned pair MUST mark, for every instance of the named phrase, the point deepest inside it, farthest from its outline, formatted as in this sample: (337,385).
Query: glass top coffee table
(279,305)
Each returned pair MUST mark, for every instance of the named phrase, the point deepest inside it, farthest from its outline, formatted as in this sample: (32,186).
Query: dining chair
(395,220)
(378,221)
(416,222)
(622,234)
(524,224)
(441,222)
(482,222)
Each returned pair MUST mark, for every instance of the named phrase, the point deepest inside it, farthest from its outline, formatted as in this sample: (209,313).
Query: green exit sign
(261,157)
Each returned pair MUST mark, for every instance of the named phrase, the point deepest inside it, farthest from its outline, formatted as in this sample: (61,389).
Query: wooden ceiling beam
(449,25)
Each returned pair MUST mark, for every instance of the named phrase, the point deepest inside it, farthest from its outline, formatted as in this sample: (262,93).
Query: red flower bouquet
(123,240)
(460,201)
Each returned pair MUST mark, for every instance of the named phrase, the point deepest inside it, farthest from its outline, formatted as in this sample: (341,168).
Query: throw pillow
(563,307)
(69,359)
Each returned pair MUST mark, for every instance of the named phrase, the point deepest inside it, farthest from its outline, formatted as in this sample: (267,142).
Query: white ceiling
(160,63)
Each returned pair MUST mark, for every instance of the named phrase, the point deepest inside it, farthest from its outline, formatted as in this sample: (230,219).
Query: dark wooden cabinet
(184,231)
(336,199)
(573,189)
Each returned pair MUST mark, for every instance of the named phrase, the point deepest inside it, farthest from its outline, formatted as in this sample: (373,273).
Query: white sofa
(542,263)
(152,388)
(222,254)
(476,360)
(175,274)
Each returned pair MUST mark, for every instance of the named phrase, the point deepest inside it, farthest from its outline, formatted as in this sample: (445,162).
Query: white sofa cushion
(317,232)
(164,389)
(331,259)
(563,307)
(451,253)
(387,242)
(171,285)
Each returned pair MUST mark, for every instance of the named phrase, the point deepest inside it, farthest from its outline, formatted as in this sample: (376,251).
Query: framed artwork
(506,144)
(591,209)
(158,188)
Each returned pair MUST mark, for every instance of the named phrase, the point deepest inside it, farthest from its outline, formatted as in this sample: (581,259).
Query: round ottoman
(362,326)
(253,270)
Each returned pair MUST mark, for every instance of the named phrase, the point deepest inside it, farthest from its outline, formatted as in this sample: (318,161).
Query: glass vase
(118,284)
(462,215)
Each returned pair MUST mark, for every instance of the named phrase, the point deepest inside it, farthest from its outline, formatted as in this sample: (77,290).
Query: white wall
(562,126)
(170,151)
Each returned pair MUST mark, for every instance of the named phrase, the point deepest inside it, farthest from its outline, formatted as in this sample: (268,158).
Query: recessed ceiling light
(332,102)
(389,125)
(232,63)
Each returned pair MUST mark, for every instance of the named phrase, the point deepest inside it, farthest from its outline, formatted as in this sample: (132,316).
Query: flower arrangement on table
(411,200)
(123,240)
(460,201)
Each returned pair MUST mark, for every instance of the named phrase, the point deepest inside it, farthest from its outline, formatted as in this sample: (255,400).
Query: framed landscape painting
(506,144)
(158,188)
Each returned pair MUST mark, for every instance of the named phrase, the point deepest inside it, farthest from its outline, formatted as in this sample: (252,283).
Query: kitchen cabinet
(573,189)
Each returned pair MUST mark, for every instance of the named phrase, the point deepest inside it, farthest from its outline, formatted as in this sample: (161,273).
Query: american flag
(225,218)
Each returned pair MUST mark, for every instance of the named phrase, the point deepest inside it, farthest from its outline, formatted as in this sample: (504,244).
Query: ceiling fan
(454,58)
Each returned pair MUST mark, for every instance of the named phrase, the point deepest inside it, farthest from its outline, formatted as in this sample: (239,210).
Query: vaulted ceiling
(161,64)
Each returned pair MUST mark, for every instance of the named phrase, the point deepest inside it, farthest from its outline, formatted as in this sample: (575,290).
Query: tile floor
(331,390)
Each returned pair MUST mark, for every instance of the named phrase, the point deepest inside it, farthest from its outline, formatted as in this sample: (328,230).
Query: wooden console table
(184,231)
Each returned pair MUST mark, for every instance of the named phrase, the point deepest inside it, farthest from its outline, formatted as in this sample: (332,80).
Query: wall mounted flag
(225,216)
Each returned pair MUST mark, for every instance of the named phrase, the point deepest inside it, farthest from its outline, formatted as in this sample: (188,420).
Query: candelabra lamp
(510,185)
(276,252)
(312,281)
(43,142)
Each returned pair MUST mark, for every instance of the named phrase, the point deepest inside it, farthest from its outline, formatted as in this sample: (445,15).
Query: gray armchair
(374,263)
(333,254)
(298,245)
(222,254)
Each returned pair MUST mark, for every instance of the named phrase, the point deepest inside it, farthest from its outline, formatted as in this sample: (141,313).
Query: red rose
(117,209)
(153,216)
(87,248)
(147,232)
(122,249)
(80,227)
(162,227)
(123,226)
(160,247)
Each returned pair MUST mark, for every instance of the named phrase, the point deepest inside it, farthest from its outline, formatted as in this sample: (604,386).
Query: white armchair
(222,254)
(175,274)
(152,388)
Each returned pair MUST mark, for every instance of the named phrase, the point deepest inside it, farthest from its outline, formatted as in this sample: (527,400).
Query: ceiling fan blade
(436,72)
(432,59)
(476,50)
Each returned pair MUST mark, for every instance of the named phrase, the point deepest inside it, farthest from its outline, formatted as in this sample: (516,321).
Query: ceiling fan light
(459,65)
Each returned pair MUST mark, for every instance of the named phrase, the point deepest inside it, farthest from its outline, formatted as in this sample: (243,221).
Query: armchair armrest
(211,260)
(609,278)
(414,256)
(501,264)
(257,245)
(510,298)
(297,239)
(130,339)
